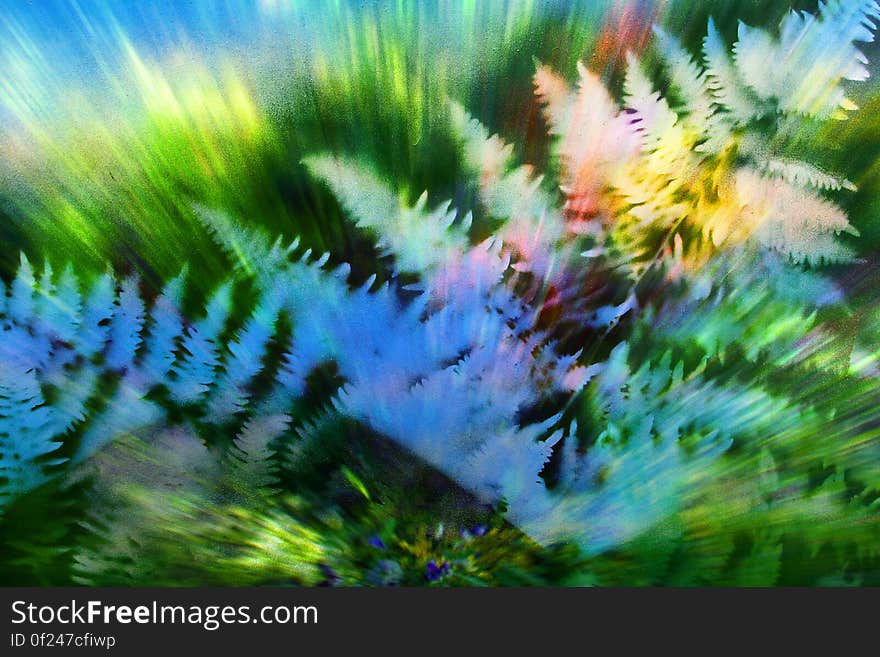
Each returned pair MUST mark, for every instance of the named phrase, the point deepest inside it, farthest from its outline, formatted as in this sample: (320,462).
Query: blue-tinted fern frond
(199,350)
(26,436)
(125,327)
(657,441)
(244,359)
(165,329)
(802,69)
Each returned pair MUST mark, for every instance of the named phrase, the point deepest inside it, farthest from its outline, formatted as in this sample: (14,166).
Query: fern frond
(730,94)
(765,307)
(803,174)
(97,311)
(690,81)
(596,138)
(21,305)
(654,445)
(817,52)
(251,251)
(194,370)
(246,351)
(532,223)
(125,327)
(25,433)
(557,99)
(164,331)
(792,221)
(254,469)
(656,121)
(419,240)
(127,411)
(58,307)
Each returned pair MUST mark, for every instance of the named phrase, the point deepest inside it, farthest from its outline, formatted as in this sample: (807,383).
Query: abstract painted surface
(446,293)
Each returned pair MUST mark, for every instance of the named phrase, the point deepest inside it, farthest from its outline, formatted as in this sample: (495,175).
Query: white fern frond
(533,224)
(792,221)
(419,240)
(803,174)
(252,252)
(802,69)
(596,140)
(691,82)
(730,94)
(656,121)
(557,99)
(487,154)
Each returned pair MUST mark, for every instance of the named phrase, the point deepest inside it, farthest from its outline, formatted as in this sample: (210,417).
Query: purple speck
(331,578)
(434,572)
(377,542)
